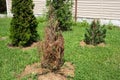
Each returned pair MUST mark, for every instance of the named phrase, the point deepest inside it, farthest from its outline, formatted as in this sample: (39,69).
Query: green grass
(98,63)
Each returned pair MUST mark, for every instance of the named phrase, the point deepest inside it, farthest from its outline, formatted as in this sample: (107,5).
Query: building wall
(105,9)
(86,9)
(39,7)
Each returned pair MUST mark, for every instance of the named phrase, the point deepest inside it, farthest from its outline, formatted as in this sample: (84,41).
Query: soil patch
(66,71)
(33,45)
(83,44)
(3,38)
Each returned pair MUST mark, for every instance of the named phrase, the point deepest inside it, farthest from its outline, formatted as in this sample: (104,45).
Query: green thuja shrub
(63,13)
(95,34)
(23,25)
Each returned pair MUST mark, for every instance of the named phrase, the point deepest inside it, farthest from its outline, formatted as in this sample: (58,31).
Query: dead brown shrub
(53,45)
(52,49)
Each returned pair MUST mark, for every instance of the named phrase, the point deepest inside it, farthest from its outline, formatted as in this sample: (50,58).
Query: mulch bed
(67,70)
(33,45)
(83,44)
(3,38)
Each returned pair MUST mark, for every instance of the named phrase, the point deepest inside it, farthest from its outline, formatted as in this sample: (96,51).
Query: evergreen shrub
(23,25)
(63,13)
(95,34)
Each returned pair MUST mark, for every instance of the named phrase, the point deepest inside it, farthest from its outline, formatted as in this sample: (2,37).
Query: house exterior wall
(39,7)
(105,9)
(86,9)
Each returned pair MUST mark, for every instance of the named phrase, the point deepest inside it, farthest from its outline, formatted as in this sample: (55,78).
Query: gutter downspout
(75,10)
(7,6)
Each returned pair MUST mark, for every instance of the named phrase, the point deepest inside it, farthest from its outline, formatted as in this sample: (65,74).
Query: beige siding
(109,9)
(39,7)
(106,9)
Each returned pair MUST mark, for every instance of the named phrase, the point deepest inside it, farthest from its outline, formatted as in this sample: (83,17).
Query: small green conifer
(23,25)
(95,34)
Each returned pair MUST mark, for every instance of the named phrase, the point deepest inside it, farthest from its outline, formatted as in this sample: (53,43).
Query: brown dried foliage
(53,50)
(53,45)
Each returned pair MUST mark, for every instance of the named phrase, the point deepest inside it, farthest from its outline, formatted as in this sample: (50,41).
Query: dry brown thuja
(53,44)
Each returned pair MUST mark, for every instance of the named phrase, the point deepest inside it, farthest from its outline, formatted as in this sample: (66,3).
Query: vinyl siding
(105,9)
(39,7)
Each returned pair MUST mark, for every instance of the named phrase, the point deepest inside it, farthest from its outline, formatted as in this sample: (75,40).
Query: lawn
(98,63)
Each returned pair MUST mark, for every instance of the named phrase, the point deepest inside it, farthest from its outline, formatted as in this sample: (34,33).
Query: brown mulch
(33,45)
(3,38)
(83,44)
(67,70)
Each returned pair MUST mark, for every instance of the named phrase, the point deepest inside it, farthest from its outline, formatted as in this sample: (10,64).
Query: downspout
(75,10)
(7,6)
